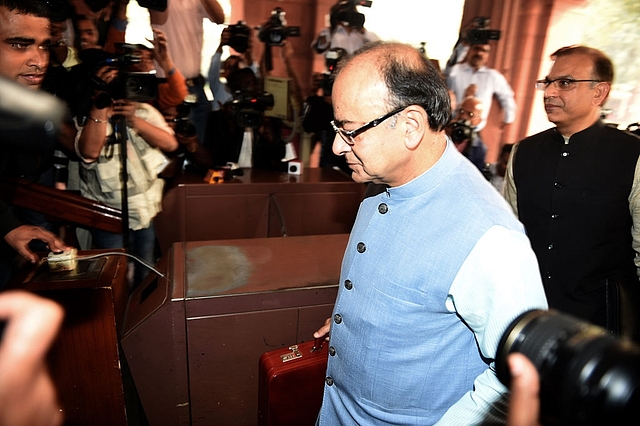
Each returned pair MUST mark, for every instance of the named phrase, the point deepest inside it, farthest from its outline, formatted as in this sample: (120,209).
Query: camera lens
(587,376)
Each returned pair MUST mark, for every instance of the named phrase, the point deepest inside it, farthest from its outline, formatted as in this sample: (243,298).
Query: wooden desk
(84,361)
(193,338)
(259,204)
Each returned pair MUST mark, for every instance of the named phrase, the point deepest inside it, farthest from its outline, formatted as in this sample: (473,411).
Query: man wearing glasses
(436,267)
(576,189)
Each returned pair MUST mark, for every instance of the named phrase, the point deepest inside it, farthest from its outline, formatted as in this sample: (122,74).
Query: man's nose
(39,57)
(340,146)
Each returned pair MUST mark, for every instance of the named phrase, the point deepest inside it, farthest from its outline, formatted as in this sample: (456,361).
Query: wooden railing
(64,207)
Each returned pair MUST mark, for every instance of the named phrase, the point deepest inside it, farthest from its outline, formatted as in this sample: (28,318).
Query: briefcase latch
(295,354)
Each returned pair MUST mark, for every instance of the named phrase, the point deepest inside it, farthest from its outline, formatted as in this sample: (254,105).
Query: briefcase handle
(317,344)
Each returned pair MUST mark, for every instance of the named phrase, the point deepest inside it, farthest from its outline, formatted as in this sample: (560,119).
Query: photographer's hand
(524,403)
(161,50)
(27,394)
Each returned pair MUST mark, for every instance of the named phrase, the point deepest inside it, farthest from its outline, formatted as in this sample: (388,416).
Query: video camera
(346,13)
(275,30)
(480,32)
(134,86)
(239,36)
(248,110)
(184,126)
(331,59)
(587,375)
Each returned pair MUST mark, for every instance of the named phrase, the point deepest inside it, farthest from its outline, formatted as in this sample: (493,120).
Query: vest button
(329,380)
(555,216)
(362,247)
(348,284)
(548,275)
(383,208)
(565,154)
(550,247)
(332,351)
(337,318)
(557,185)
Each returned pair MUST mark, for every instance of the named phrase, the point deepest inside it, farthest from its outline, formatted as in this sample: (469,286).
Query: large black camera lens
(461,131)
(587,376)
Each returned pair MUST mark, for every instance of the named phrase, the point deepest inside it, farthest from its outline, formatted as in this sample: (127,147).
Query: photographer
(317,113)
(473,70)
(346,29)
(240,38)
(171,90)
(99,144)
(463,131)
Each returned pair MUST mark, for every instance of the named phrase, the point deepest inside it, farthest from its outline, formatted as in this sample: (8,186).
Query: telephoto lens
(587,375)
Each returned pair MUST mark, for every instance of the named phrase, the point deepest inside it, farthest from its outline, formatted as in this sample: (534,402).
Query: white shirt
(489,83)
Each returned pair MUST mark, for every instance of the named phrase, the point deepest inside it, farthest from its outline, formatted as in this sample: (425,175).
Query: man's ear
(416,125)
(601,93)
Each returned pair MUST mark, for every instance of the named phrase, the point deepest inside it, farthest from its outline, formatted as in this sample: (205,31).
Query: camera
(98,5)
(587,375)
(275,30)
(331,59)
(184,127)
(248,110)
(461,130)
(134,86)
(239,36)
(480,33)
(345,12)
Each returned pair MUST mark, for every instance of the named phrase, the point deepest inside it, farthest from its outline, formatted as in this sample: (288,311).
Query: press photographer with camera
(463,131)
(238,37)
(346,30)
(473,70)
(116,120)
(317,113)
(183,23)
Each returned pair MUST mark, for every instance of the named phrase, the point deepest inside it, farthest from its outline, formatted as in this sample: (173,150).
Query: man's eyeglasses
(349,136)
(561,83)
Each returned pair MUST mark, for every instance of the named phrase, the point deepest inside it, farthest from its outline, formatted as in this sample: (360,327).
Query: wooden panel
(259,204)
(85,359)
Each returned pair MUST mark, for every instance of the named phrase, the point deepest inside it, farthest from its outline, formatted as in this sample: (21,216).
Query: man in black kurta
(576,188)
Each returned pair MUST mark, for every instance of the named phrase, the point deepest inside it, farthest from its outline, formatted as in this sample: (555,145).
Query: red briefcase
(291,384)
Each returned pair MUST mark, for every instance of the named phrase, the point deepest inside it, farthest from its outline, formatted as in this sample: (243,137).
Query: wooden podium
(85,360)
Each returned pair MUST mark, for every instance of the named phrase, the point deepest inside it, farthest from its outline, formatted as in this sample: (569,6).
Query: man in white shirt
(488,82)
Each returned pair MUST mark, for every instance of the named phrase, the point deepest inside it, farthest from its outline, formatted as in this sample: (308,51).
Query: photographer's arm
(214,10)
(174,90)
(93,136)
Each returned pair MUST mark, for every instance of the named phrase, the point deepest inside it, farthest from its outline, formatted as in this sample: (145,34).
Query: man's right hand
(20,237)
